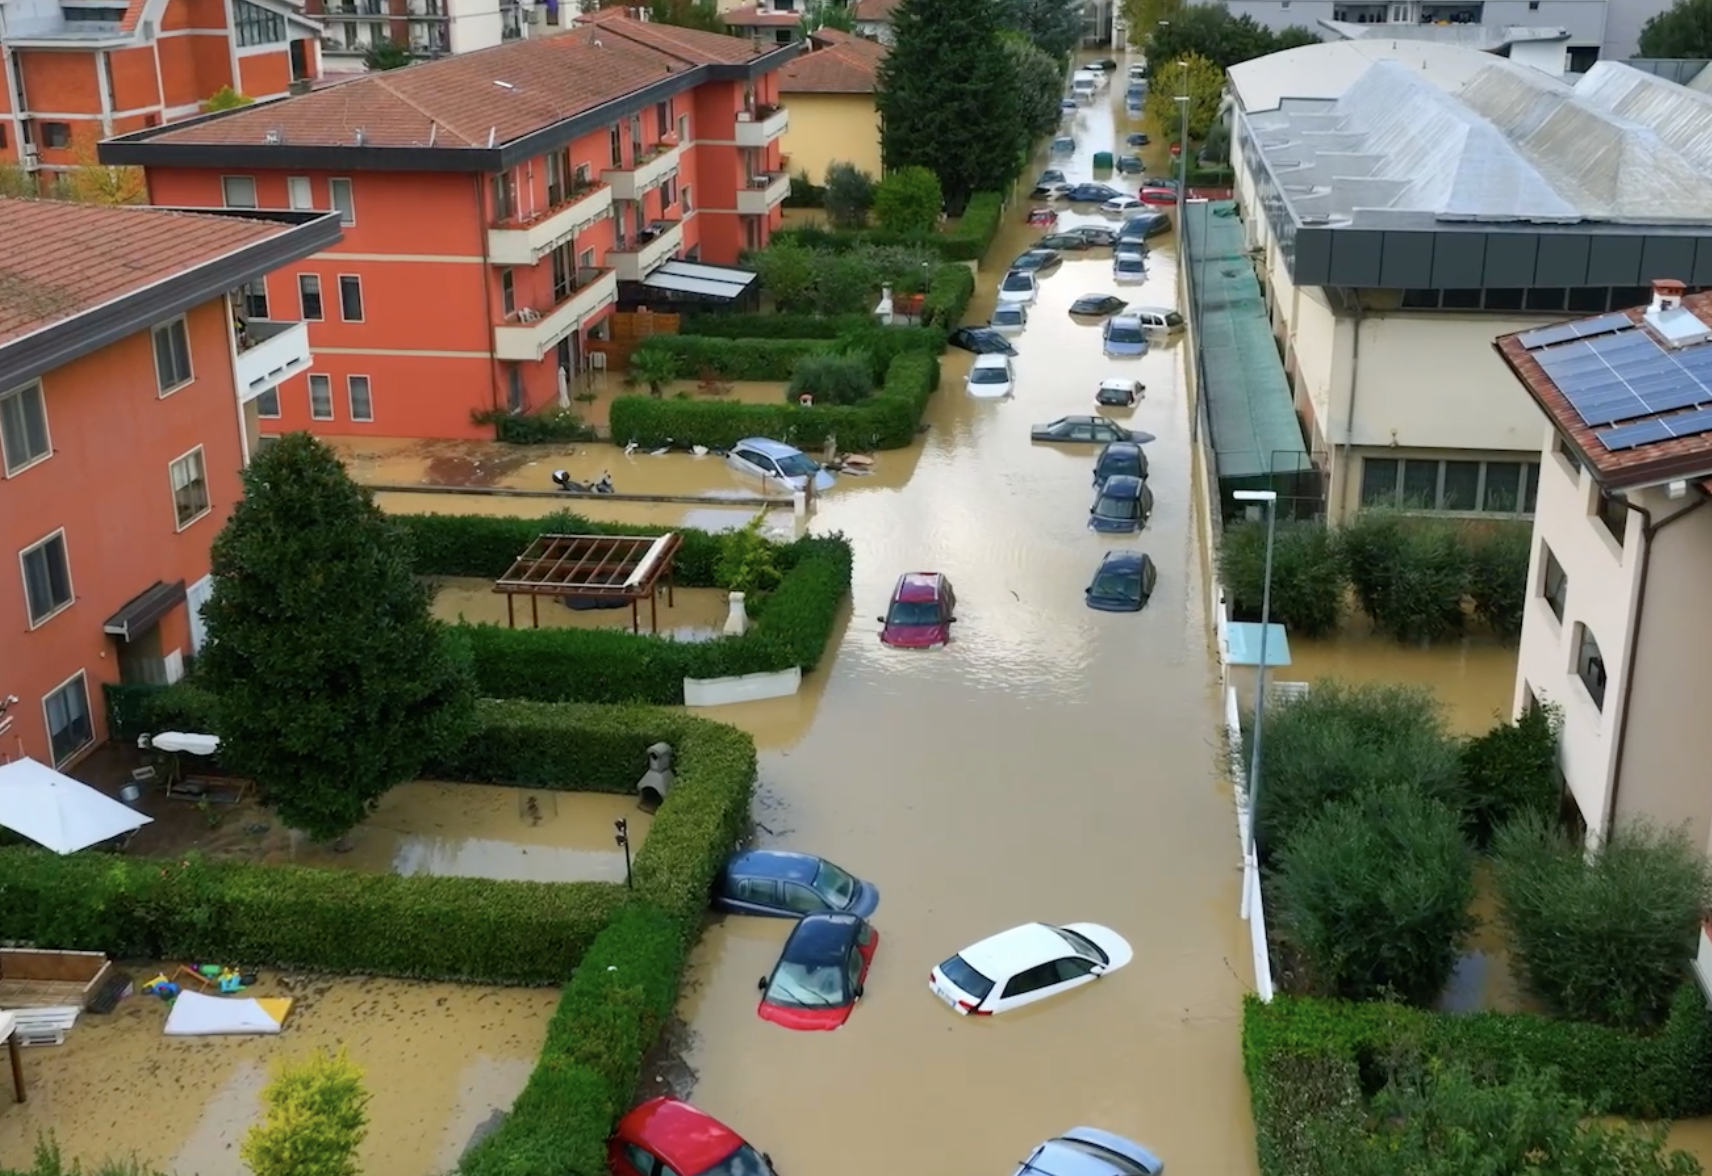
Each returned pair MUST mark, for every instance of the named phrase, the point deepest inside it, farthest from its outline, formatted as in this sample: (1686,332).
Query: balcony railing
(762,125)
(663,241)
(524,241)
(532,332)
(650,170)
(270,351)
(764,193)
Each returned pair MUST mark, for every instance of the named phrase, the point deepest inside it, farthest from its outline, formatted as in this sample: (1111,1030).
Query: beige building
(829,92)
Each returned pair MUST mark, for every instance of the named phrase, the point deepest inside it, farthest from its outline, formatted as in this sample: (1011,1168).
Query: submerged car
(775,462)
(1009,318)
(1063,145)
(1129,269)
(1057,190)
(1131,163)
(1137,139)
(1157,196)
(1120,393)
(1124,335)
(1019,286)
(783,885)
(1051,175)
(1122,583)
(1097,305)
(1120,459)
(1121,206)
(1096,235)
(1093,193)
(1158,319)
(819,976)
(669,1135)
(1088,1151)
(1122,505)
(1144,225)
(990,377)
(921,613)
(1082,429)
(1027,964)
(1037,260)
(980,340)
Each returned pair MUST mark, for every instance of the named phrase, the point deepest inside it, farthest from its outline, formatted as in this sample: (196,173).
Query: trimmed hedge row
(948,296)
(1304,1057)
(967,241)
(774,326)
(737,359)
(979,224)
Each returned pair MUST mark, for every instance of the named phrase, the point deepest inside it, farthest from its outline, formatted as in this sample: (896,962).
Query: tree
(653,368)
(908,200)
(1141,17)
(787,273)
(386,54)
(317,1118)
(1205,84)
(93,182)
(960,123)
(687,14)
(1039,82)
(1512,771)
(17,183)
(225,98)
(1602,936)
(1682,30)
(1052,26)
(1212,32)
(825,14)
(335,682)
(849,194)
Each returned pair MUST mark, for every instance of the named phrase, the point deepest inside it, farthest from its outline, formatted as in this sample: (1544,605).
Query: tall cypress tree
(947,97)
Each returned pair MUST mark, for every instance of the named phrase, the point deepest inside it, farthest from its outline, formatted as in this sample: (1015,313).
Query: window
(47,577)
(24,427)
(252,299)
(67,713)
(641,1160)
(1073,968)
(255,25)
(581,180)
(757,890)
(309,296)
(1502,485)
(344,198)
(1613,511)
(300,193)
(172,356)
(557,168)
(504,196)
(585,259)
(189,488)
(615,138)
(267,404)
(1590,665)
(1554,585)
(514,387)
(350,298)
(801,898)
(668,193)
(1462,485)
(684,199)
(1494,487)
(1033,980)
(56,134)
(684,129)
(362,401)
(662,119)
(507,290)
(1570,455)
(320,397)
(238,191)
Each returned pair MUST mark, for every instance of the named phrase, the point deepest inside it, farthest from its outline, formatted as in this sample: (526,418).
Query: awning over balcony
(688,277)
(144,610)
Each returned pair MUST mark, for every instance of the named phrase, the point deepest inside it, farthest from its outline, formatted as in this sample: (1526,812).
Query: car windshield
(1129,265)
(1018,282)
(958,971)
(803,986)
(913,612)
(1125,334)
(989,375)
(1117,465)
(1082,945)
(1173,319)
(1007,314)
(1121,585)
(1124,509)
(745,1161)
(795,465)
(835,886)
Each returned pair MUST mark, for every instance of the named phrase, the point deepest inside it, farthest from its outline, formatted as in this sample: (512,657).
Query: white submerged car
(1009,318)
(991,377)
(774,462)
(1026,964)
(1019,286)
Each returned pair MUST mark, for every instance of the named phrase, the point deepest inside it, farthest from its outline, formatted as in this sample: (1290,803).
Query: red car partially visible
(820,973)
(922,612)
(669,1137)
(1157,196)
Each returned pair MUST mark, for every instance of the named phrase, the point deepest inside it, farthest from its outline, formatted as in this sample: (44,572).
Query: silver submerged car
(774,462)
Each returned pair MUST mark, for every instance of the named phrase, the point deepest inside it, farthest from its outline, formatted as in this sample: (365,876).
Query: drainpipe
(1649,531)
(1354,382)
(487,295)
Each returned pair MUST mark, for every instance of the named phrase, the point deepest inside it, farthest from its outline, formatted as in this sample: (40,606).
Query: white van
(1156,318)
(1083,85)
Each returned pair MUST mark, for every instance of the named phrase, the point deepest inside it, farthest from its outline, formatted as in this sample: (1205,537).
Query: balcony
(526,241)
(648,172)
(269,353)
(665,239)
(759,127)
(764,193)
(538,330)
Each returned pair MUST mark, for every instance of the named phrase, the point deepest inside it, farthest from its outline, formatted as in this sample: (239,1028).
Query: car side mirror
(761,984)
(1088,591)
(858,991)
(882,620)
(950,620)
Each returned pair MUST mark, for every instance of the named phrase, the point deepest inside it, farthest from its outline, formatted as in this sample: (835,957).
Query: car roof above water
(820,940)
(919,585)
(1011,951)
(767,446)
(774,863)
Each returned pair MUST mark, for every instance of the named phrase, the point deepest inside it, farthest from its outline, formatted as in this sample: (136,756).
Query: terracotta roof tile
(459,101)
(876,11)
(1679,457)
(62,259)
(842,67)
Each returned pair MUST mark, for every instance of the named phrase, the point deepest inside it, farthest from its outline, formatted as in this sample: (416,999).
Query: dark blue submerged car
(790,885)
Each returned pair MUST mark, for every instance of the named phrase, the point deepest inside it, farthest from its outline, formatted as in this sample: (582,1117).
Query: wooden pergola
(622,567)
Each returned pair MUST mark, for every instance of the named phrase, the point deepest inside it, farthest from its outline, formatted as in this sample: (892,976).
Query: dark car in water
(1093,193)
(1038,260)
(784,885)
(1097,305)
(1137,139)
(1077,429)
(1131,164)
(1122,505)
(1120,459)
(980,340)
(1122,583)
(820,973)
(1065,242)
(1142,225)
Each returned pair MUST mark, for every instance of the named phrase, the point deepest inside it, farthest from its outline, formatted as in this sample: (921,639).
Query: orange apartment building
(497,207)
(128,385)
(77,71)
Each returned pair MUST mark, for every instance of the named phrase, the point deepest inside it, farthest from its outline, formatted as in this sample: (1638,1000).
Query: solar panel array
(1614,374)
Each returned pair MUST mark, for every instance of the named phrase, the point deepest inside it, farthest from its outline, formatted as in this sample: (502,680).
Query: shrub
(948,296)
(774,326)
(655,367)
(805,193)
(968,240)
(849,195)
(1374,892)
(486,546)
(747,559)
(317,1118)
(1498,576)
(734,359)
(1511,771)
(539,428)
(977,228)
(908,200)
(1601,937)
(1308,580)
(837,379)
(1410,574)
(1343,741)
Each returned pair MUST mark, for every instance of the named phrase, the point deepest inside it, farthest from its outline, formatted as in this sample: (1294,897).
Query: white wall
(1549,57)
(474,24)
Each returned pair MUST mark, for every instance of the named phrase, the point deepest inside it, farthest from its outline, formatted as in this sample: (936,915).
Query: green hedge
(1304,1057)
(948,296)
(736,359)
(967,241)
(979,224)
(486,546)
(774,326)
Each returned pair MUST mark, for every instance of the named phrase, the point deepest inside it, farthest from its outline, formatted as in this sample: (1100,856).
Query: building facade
(129,383)
(424,28)
(497,207)
(828,93)
(76,73)
(1405,202)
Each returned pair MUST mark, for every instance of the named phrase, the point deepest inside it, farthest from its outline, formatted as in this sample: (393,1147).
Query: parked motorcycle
(602,485)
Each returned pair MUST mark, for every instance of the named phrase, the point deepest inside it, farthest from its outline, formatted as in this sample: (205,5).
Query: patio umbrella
(182,741)
(57,812)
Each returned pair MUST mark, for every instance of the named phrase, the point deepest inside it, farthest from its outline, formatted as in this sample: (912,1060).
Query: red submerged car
(819,976)
(668,1137)
(922,611)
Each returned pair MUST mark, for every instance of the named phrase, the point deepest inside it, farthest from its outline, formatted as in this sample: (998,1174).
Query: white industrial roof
(1486,38)
(1376,133)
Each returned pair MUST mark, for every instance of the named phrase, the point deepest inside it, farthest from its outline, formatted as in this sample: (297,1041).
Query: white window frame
(351,397)
(327,383)
(268,395)
(348,210)
(183,322)
(361,306)
(24,578)
(207,497)
(300,193)
(226,194)
(88,714)
(11,470)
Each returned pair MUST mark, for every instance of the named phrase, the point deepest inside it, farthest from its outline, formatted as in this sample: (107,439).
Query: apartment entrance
(135,628)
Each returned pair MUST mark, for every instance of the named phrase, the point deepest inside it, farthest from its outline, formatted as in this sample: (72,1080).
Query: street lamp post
(1250,861)
(622,837)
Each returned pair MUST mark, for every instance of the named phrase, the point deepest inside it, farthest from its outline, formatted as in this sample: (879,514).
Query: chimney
(1667,295)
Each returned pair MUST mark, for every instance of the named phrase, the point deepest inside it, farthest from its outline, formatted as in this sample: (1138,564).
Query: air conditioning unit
(597,361)
(745,116)
(32,157)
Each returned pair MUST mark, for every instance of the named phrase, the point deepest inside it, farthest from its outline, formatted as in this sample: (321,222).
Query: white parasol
(58,812)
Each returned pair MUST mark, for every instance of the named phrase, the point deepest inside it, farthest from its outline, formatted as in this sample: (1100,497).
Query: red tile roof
(62,259)
(841,64)
(1678,457)
(502,93)
(876,11)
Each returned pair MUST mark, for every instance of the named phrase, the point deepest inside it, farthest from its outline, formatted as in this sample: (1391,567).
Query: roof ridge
(386,86)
